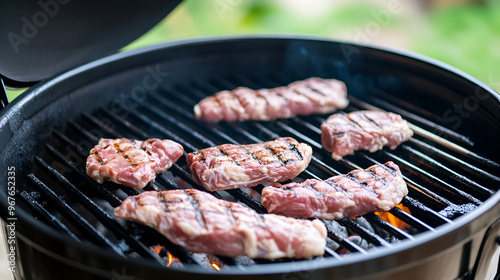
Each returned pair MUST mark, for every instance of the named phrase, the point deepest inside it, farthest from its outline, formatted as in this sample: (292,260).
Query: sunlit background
(462,33)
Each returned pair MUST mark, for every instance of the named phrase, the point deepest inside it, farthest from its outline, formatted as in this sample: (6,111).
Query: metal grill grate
(445,180)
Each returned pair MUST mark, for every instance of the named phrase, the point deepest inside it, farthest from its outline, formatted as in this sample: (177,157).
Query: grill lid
(50,36)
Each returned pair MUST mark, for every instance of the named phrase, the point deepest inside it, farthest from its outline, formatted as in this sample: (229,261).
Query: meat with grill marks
(310,96)
(231,166)
(131,163)
(377,188)
(199,222)
(342,134)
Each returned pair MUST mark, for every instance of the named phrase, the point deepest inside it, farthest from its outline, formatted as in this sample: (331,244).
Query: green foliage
(465,36)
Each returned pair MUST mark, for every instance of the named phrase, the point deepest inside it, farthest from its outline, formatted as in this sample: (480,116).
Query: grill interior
(441,188)
(445,175)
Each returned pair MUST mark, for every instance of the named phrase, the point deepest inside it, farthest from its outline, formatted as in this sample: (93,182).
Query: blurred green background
(462,33)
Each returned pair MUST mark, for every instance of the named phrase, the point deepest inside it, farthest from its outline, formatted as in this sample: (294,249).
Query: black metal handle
(4,99)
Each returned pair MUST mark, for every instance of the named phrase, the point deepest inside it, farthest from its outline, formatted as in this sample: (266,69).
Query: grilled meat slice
(202,223)
(314,95)
(131,163)
(241,166)
(342,134)
(378,188)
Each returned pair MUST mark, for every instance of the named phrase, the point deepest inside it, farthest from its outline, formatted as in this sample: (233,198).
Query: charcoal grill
(65,228)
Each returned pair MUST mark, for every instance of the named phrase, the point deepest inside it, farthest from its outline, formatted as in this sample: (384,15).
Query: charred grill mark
(294,149)
(311,187)
(216,97)
(261,220)
(305,95)
(98,158)
(230,213)
(355,179)
(163,202)
(250,154)
(389,168)
(259,95)
(199,215)
(288,189)
(280,94)
(315,90)
(146,150)
(136,202)
(122,153)
(375,176)
(351,120)
(224,153)
(201,156)
(239,101)
(336,186)
(370,120)
(275,155)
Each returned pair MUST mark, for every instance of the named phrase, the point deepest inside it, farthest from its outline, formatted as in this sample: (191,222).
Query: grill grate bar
(433,196)
(454,160)
(363,232)
(412,220)
(190,116)
(238,128)
(438,129)
(77,220)
(98,212)
(177,251)
(420,225)
(332,253)
(175,167)
(83,154)
(157,114)
(43,213)
(436,200)
(344,242)
(181,125)
(461,196)
(435,138)
(158,128)
(112,199)
(388,226)
(474,187)
(415,204)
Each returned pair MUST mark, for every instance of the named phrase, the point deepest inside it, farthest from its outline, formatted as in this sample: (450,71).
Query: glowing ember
(171,259)
(214,265)
(157,249)
(214,262)
(388,217)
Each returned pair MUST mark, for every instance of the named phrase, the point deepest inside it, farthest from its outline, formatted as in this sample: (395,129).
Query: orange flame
(170,259)
(214,262)
(157,249)
(214,265)
(388,217)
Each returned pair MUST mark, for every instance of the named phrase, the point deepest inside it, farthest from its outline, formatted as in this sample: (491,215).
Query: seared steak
(378,188)
(131,163)
(342,134)
(314,95)
(240,166)
(202,223)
